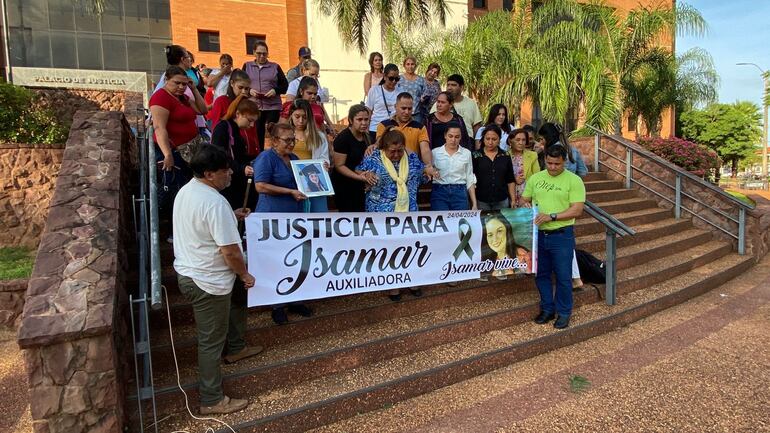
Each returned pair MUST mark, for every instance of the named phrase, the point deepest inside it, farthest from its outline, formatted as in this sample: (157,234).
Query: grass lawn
(741,197)
(16,262)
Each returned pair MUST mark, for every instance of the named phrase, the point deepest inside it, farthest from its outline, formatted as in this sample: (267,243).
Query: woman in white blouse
(454,188)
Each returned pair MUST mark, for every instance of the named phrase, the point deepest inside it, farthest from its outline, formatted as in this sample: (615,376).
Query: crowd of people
(226,137)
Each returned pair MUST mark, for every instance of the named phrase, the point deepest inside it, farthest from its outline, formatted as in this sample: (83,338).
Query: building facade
(129,35)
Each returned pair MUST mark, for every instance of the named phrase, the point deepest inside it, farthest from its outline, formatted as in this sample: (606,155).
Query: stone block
(75,400)
(45,401)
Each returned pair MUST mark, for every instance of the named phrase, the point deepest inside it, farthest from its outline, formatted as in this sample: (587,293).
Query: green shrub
(20,123)
(693,157)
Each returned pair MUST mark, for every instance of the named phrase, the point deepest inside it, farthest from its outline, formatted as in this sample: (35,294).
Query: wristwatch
(553,216)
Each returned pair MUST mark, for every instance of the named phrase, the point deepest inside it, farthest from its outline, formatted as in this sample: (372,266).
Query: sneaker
(279,316)
(300,309)
(416,292)
(226,405)
(544,318)
(561,322)
(484,278)
(502,277)
(247,352)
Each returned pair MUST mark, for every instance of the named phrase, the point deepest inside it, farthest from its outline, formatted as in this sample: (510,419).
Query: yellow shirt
(301,150)
(413,131)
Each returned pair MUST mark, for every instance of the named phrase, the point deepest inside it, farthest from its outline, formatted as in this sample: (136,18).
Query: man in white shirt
(211,272)
(466,107)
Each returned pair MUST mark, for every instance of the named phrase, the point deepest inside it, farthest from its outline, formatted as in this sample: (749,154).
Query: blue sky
(739,31)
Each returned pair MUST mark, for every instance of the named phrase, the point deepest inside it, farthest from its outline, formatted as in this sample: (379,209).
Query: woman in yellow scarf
(399,175)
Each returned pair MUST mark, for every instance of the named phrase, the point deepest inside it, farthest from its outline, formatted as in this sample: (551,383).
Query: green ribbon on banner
(465,239)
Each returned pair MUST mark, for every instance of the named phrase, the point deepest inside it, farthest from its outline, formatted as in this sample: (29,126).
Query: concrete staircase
(361,353)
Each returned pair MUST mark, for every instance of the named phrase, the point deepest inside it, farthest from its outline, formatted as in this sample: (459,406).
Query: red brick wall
(283,22)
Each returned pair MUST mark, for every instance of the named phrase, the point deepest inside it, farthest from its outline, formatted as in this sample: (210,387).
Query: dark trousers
(170,182)
(219,320)
(265,117)
(554,257)
(449,197)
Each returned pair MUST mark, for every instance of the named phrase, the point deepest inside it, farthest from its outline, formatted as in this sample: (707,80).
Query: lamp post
(766,79)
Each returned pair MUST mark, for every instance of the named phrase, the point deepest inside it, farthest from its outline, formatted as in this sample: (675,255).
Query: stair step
(602,185)
(619,206)
(634,218)
(644,232)
(611,194)
(309,404)
(393,336)
(594,175)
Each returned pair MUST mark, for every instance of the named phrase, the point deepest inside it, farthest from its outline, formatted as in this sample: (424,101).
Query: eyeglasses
(289,140)
(394,79)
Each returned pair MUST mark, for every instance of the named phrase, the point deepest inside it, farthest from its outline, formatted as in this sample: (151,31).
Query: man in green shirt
(559,196)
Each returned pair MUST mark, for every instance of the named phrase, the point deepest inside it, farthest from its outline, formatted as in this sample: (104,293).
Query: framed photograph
(312,178)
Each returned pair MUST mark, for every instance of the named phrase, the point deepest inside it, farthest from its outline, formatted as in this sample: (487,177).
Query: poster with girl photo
(312,177)
(508,239)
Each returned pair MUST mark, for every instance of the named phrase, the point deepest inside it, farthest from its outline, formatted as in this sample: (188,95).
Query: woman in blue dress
(278,192)
(399,175)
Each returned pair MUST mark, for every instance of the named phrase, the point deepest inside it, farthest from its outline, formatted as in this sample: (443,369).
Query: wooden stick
(248,189)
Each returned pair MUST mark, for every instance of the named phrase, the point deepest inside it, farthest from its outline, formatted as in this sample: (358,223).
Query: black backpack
(592,270)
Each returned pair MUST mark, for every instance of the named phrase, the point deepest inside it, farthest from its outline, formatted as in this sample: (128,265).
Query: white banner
(296,257)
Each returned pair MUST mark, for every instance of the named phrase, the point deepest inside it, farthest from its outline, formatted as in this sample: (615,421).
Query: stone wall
(73,329)
(12,301)
(66,102)
(27,178)
(651,173)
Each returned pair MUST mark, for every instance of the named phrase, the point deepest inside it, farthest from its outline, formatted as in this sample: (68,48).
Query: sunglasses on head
(393,79)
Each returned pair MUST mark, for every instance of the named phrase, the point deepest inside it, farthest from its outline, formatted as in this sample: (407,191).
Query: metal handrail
(609,221)
(634,148)
(614,229)
(156,300)
(671,166)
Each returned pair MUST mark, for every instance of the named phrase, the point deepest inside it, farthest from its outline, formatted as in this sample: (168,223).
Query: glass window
(208,41)
(89,51)
(158,56)
(139,54)
(113,18)
(251,39)
(61,15)
(160,19)
(137,22)
(28,13)
(63,51)
(479,4)
(85,21)
(114,53)
(30,48)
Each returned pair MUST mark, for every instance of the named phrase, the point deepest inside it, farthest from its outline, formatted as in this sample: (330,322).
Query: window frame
(250,46)
(209,46)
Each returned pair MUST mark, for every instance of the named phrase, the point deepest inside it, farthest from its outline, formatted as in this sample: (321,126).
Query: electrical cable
(179,381)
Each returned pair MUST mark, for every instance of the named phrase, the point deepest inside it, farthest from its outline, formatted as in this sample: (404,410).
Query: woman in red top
(240,84)
(308,90)
(173,115)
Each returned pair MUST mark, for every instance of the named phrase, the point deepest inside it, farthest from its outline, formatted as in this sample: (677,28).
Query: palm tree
(665,81)
(355,17)
(613,46)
